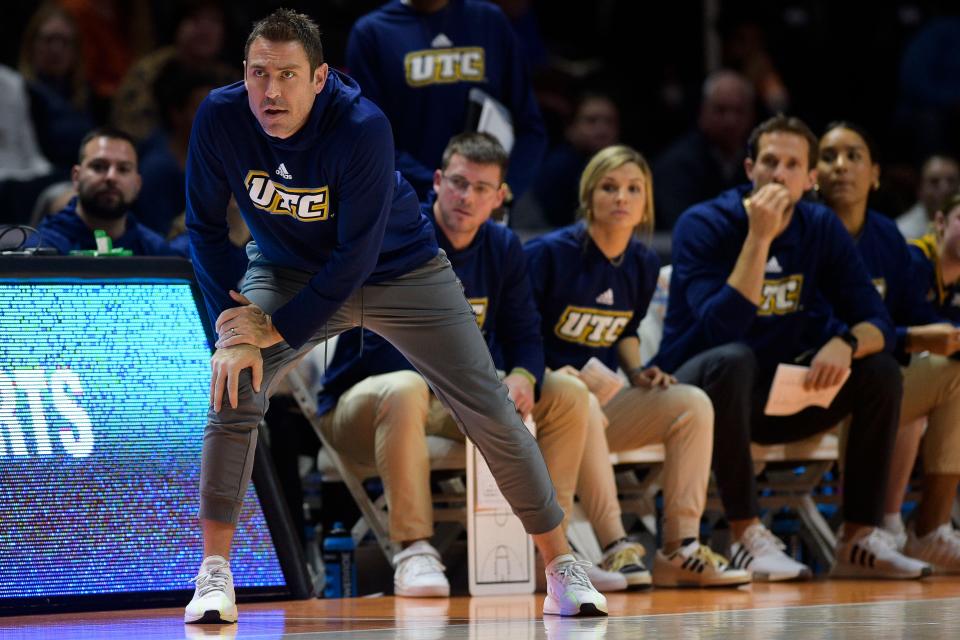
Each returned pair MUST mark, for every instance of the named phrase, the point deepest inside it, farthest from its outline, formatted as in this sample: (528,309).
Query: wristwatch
(848,337)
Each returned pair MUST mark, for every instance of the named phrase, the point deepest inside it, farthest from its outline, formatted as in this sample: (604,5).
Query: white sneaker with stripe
(696,565)
(940,548)
(874,555)
(762,553)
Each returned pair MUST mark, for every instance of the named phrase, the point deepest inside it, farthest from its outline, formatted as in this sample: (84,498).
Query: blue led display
(103,400)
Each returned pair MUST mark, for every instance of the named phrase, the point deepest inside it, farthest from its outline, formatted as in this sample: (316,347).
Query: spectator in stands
(419,60)
(179,89)
(595,126)
(112,35)
(749,268)
(59,96)
(708,159)
(938,257)
(107,183)
(939,177)
(24,171)
(197,45)
(377,409)
(592,283)
(846,173)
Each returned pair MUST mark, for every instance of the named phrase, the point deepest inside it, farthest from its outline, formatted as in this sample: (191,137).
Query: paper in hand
(601,381)
(787,395)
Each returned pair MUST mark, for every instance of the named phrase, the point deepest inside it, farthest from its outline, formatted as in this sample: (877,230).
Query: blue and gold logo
(443,66)
(591,327)
(306,205)
(781,296)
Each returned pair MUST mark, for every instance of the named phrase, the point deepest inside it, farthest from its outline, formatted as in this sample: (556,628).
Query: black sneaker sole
(211,617)
(590,611)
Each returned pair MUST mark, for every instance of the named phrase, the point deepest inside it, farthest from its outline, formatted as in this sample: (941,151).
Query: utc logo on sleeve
(443,66)
(780,297)
(306,205)
(591,327)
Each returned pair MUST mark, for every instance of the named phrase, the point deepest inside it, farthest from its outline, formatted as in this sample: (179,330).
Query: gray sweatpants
(425,315)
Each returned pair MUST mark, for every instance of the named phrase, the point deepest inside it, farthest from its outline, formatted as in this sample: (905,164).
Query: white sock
(893,522)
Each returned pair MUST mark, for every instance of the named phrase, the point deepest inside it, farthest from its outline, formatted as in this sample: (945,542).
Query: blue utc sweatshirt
(587,302)
(493,273)
(813,256)
(326,200)
(419,68)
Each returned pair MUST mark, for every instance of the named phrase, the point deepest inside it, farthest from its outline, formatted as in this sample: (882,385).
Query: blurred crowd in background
(684,82)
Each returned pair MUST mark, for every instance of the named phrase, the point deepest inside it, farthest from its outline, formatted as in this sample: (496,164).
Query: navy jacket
(587,303)
(326,200)
(419,68)
(814,256)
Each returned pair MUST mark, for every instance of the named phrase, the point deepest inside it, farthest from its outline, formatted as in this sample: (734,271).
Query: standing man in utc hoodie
(339,242)
(419,59)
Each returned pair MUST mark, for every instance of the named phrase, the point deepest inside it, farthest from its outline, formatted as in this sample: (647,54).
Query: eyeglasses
(461,185)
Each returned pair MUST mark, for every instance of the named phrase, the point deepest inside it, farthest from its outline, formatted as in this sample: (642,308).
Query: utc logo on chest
(306,205)
(443,66)
(591,327)
(780,297)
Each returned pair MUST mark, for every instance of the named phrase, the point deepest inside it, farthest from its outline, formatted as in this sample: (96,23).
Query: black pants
(872,395)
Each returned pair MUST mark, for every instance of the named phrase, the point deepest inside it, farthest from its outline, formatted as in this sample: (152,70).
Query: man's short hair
(286,25)
(784,124)
(104,132)
(480,148)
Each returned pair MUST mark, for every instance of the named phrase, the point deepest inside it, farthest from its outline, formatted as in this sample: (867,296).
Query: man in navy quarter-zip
(419,59)
(748,268)
(338,242)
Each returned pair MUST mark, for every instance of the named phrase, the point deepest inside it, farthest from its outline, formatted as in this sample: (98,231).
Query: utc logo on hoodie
(306,205)
(444,66)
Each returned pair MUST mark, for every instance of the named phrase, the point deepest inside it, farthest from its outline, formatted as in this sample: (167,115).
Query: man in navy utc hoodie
(338,241)
(748,268)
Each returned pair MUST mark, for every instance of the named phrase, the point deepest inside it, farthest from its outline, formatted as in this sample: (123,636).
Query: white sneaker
(601,579)
(762,554)
(419,573)
(213,599)
(875,555)
(569,591)
(940,548)
(626,558)
(696,565)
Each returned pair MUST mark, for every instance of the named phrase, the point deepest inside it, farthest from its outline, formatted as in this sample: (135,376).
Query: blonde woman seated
(593,282)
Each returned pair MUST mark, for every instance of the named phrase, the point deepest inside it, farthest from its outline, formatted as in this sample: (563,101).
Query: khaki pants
(680,417)
(384,421)
(931,388)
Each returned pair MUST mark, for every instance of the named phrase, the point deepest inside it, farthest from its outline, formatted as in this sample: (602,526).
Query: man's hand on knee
(247,324)
(226,365)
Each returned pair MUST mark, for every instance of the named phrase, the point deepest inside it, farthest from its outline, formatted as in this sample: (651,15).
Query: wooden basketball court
(822,609)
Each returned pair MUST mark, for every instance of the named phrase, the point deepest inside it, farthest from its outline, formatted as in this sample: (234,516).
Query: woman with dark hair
(847,173)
